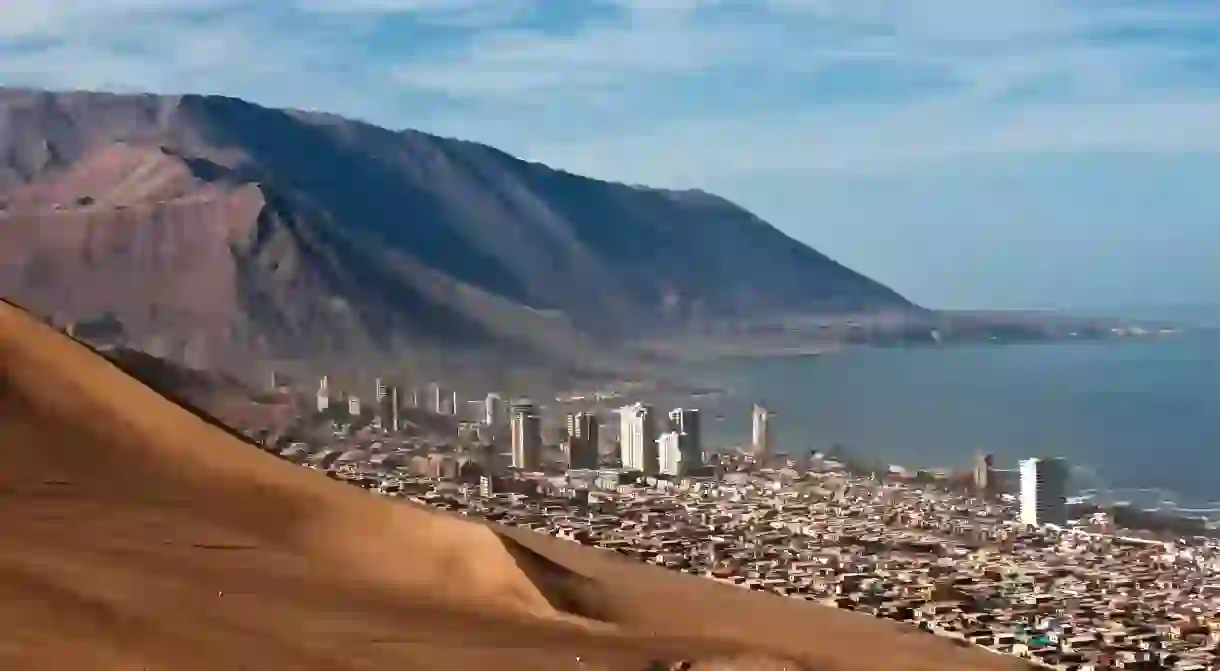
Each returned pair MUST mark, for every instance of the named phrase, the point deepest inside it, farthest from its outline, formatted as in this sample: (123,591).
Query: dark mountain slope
(227,228)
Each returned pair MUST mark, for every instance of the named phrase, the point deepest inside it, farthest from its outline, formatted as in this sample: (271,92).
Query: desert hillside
(135,534)
(219,228)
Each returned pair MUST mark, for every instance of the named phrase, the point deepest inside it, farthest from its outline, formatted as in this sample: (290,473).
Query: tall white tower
(1044,491)
(379,390)
(526,437)
(323,394)
(638,438)
(394,408)
(669,451)
(761,436)
(491,410)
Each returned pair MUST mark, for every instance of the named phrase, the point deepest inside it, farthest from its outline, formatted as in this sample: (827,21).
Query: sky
(968,153)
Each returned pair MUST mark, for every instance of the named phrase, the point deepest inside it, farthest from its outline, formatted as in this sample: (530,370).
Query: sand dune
(135,534)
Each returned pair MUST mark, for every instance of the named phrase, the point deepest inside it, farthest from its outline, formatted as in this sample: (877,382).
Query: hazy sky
(966,152)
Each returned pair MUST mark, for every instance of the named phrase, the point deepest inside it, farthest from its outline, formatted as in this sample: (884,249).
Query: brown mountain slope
(221,225)
(134,534)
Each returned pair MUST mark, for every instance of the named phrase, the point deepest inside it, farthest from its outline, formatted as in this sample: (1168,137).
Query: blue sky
(967,152)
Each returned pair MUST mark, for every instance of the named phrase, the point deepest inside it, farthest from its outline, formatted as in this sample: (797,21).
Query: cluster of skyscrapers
(440,401)
(648,444)
(673,446)
(677,451)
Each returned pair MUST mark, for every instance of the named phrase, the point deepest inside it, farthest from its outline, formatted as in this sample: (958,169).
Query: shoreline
(728,402)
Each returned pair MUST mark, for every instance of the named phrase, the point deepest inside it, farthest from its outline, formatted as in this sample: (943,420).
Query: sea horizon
(1133,416)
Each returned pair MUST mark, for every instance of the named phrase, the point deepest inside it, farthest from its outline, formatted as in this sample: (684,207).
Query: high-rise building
(491,410)
(379,391)
(394,425)
(685,422)
(637,438)
(353,406)
(984,464)
(582,440)
(454,408)
(437,401)
(626,421)
(1044,491)
(527,437)
(669,451)
(323,394)
(762,443)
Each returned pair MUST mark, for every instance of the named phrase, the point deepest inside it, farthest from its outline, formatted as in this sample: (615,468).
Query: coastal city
(990,557)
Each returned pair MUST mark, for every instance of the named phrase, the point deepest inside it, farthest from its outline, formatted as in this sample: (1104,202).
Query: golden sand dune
(135,534)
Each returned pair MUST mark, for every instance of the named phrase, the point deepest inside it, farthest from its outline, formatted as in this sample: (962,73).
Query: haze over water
(1130,415)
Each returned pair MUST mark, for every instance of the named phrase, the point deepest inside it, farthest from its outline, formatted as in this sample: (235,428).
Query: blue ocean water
(1140,418)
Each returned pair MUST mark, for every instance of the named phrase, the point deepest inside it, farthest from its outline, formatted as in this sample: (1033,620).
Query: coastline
(812,418)
(725,397)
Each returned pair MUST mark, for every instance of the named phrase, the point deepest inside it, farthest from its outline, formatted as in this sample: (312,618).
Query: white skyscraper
(669,451)
(394,425)
(625,424)
(437,402)
(762,442)
(379,392)
(1044,491)
(454,409)
(492,410)
(323,394)
(353,406)
(685,422)
(526,437)
(637,438)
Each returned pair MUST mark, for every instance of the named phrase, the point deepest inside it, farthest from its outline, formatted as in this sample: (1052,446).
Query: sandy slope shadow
(168,377)
(566,590)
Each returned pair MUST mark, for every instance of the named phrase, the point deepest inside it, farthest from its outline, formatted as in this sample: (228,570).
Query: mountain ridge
(323,234)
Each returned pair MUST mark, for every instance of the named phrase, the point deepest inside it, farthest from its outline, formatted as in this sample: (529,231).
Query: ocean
(1138,419)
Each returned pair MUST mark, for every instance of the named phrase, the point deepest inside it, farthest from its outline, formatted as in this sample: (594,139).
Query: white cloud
(846,140)
(390,6)
(190,46)
(526,62)
(48,19)
(991,47)
(649,11)
(470,13)
(1013,76)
